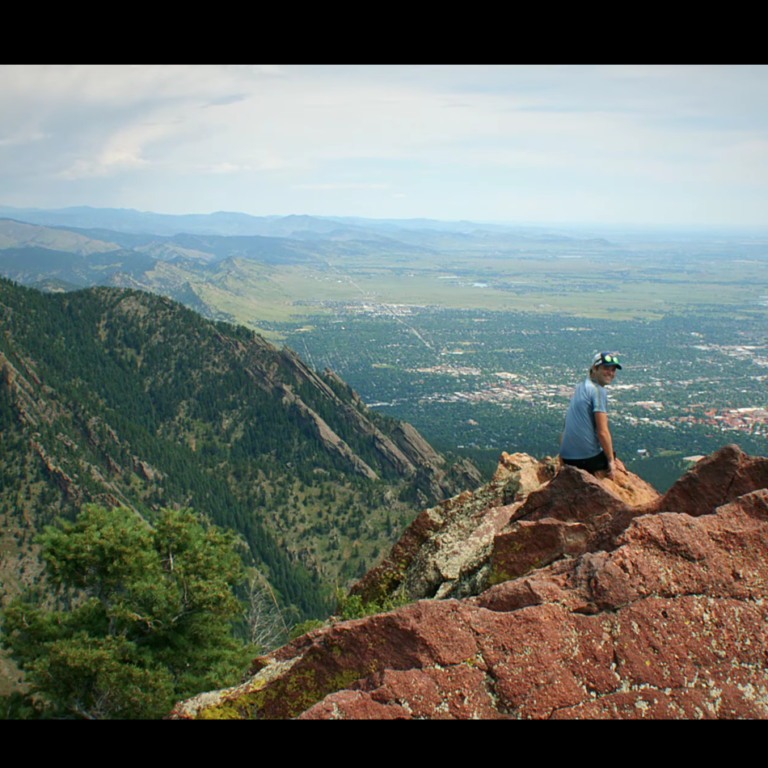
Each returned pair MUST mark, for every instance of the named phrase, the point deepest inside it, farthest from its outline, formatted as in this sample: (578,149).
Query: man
(586,441)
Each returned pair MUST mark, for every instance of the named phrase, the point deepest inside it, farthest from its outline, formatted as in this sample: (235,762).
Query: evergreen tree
(154,626)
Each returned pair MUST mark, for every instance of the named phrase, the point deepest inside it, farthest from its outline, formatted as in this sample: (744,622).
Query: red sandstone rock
(574,513)
(440,694)
(715,480)
(670,622)
(531,545)
(604,507)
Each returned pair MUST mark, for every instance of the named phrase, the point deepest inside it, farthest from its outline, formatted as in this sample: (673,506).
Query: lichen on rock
(583,598)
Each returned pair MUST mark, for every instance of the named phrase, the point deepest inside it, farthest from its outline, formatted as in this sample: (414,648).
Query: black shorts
(591,465)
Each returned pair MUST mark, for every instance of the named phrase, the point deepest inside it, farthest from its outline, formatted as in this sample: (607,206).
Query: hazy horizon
(682,146)
(586,228)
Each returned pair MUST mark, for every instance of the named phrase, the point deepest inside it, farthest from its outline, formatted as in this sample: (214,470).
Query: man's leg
(592,465)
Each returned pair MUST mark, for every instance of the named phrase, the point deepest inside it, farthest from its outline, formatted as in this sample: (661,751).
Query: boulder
(715,480)
(445,551)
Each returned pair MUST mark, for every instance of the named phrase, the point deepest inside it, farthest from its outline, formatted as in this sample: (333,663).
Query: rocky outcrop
(649,607)
(715,480)
(414,446)
(57,475)
(31,409)
(328,438)
(578,513)
(445,551)
(405,451)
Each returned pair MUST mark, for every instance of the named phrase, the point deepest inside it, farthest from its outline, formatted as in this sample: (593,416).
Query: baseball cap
(606,358)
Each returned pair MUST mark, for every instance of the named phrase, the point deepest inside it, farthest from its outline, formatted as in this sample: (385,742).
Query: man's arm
(559,457)
(604,436)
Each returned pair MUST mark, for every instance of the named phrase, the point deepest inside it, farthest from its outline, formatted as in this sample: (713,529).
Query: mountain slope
(18,234)
(119,396)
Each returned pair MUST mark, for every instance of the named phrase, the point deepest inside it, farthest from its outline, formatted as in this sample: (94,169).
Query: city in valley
(481,382)
(474,335)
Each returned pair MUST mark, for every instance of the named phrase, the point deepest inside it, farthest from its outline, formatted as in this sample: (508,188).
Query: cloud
(268,69)
(437,131)
(227,168)
(222,101)
(20,139)
(348,185)
(123,150)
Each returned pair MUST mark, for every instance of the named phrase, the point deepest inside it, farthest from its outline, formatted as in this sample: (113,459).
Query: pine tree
(155,623)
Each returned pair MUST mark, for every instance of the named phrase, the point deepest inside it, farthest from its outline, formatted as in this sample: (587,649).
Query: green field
(641,288)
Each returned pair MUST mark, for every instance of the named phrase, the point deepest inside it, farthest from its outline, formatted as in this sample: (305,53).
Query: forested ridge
(120,397)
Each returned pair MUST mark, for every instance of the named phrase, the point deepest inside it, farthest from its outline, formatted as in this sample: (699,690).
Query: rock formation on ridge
(589,599)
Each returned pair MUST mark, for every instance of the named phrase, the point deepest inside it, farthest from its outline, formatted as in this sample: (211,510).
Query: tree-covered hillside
(124,398)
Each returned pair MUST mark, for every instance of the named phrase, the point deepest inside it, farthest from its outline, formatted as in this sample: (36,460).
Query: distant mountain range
(235,267)
(229,224)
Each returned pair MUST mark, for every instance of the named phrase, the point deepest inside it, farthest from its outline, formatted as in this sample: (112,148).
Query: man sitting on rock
(586,441)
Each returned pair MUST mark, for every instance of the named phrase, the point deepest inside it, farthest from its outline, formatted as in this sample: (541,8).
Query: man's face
(604,374)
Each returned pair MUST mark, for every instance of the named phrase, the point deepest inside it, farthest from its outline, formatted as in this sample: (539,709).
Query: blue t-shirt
(580,432)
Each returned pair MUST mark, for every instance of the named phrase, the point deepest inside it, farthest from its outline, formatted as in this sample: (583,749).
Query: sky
(620,145)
